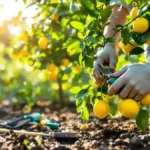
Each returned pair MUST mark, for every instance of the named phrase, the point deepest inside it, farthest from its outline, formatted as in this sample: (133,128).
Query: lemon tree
(134,34)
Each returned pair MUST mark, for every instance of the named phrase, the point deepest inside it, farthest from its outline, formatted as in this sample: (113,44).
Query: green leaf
(93,24)
(81,59)
(90,8)
(128,2)
(90,52)
(113,109)
(85,113)
(82,45)
(137,38)
(75,89)
(80,104)
(125,36)
(147,16)
(71,44)
(105,13)
(103,89)
(143,10)
(63,9)
(89,19)
(88,61)
(91,39)
(71,41)
(136,51)
(111,39)
(142,119)
(146,36)
(82,93)
(77,25)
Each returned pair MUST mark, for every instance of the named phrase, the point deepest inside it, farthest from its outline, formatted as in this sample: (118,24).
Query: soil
(96,134)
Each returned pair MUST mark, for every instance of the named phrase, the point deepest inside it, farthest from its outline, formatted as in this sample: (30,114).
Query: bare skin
(115,18)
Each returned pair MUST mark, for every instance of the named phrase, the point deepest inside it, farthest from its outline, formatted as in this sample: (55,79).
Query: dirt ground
(96,134)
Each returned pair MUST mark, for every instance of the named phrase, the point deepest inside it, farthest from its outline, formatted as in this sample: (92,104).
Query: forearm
(116,18)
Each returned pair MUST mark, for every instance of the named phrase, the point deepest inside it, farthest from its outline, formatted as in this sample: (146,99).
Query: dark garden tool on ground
(30,119)
(57,135)
(35,117)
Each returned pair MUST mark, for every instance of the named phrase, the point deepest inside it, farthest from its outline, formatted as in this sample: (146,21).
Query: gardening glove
(133,82)
(107,57)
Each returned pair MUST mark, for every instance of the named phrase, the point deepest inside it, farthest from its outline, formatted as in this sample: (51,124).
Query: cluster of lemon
(130,108)
(140,26)
(127,107)
(52,68)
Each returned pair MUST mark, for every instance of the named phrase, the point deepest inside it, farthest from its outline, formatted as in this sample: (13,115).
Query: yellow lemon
(53,76)
(52,67)
(43,43)
(127,48)
(130,108)
(134,12)
(145,101)
(55,17)
(65,62)
(101,109)
(24,51)
(42,123)
(77,69)
(140,25)
(24,37)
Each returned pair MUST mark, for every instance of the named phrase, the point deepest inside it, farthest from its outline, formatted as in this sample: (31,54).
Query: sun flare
(9,9)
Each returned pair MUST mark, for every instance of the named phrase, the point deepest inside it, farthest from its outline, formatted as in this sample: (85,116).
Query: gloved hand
(107,57)
(133,82)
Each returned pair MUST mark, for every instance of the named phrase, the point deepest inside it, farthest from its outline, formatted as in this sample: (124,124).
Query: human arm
(108,55)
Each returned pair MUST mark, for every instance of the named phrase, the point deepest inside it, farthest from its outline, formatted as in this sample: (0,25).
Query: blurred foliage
(24,66)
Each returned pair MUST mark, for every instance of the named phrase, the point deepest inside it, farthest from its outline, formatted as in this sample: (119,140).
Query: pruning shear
(104,71)
(34,118)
